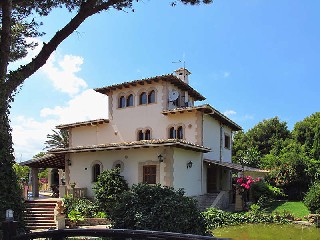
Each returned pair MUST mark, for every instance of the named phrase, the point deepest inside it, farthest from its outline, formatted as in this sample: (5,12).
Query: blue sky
(251,59)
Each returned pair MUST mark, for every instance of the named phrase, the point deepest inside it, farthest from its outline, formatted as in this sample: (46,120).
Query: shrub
(109,186)
(312,198)
(157,208)
(75,216)
(217,218)
(84,206)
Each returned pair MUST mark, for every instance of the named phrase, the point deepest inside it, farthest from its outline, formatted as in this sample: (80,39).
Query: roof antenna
(184,63)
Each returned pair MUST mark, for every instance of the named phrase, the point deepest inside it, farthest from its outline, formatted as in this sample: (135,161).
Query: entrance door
(212,176)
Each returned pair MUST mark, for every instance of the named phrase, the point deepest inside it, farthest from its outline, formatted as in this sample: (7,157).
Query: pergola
(47,161)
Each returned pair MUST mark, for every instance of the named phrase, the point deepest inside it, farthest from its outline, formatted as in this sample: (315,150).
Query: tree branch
(5,38)
(17,77)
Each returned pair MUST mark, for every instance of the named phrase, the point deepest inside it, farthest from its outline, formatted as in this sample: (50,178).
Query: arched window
(140,135)
(143,98)
(147,134)
(152,97)
(96,170)
(130,100)
(172,133)
(180,133)
(122,102)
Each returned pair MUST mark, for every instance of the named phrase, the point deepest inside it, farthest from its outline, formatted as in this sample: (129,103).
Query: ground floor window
(150,174)
(96,170)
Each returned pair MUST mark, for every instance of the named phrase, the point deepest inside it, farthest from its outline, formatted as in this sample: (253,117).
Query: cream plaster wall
(188,179)
(81,168)
(95,134)
(125,122)
(172,172)
(211,138)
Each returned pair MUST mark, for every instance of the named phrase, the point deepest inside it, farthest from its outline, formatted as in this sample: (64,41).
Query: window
(227,141)
(172,133)
(152,97)
(122,102)
(180,133)
(143,98)
(140,135)
(96,170)
(150,174)
(147,135)
(130,100)
(144,134)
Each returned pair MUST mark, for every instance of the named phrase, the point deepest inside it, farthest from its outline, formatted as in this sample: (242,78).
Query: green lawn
(298,209)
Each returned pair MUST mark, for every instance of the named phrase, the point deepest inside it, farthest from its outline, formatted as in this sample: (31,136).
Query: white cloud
(229,113)
(226,74)
(30,134)
(86,106)
(62,73)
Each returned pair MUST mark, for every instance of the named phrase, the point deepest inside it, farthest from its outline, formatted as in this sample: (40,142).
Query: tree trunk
(10,191)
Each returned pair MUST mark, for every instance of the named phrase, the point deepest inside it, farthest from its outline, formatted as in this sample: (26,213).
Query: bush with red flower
(243,183)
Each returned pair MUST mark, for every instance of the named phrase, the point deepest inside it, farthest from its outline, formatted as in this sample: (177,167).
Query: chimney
(182,74)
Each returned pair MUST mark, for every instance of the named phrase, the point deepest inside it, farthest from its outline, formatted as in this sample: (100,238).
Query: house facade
(156,134)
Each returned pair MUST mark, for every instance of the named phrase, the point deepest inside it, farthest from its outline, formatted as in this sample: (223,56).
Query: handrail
(122,233)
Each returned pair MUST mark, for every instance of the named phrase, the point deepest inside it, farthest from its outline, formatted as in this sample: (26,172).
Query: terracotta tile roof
(84,123)
(132,145)
(207,109)
(235,166)
(167,78)
(46,161)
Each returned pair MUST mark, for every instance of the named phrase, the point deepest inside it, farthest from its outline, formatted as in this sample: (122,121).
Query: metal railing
(112,234)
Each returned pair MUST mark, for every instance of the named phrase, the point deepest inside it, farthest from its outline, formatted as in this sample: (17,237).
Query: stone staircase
(206,200)
(39,214)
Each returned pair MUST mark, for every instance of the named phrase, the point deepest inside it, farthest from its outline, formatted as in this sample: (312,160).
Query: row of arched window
(173,133)
(144,98)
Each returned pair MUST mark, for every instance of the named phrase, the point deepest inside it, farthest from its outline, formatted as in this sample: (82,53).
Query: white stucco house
(156,134)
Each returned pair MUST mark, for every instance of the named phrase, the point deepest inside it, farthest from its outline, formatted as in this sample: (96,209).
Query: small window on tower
(152,97)
(130,100)
(122,102)
(143,98)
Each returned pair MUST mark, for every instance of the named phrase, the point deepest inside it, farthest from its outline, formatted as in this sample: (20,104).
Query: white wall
(188,179)
(211,138)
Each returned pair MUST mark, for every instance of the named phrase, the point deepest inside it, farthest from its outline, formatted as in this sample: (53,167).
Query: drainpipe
(221,142)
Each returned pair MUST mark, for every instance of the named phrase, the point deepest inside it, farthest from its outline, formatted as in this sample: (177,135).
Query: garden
(161,208)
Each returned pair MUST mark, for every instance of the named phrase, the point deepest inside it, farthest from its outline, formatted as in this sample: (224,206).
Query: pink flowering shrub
(243,183)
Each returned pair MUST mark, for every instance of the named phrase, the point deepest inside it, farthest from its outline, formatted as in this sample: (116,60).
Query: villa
(155,133)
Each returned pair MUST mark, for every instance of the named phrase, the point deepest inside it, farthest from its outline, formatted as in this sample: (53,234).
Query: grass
(298,209)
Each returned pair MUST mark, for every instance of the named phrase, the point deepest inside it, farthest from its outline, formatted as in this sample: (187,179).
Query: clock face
(173,95)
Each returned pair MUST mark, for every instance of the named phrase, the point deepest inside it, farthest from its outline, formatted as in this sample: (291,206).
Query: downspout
(201,168)
(221,142)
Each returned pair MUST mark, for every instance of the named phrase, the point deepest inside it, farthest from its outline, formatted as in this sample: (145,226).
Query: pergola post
(35,182)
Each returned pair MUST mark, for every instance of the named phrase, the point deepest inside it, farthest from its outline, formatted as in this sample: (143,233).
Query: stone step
(39,214)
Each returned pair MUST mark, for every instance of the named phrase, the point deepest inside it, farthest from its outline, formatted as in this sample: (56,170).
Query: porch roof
(235,166)
(46,161)
(134,145)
